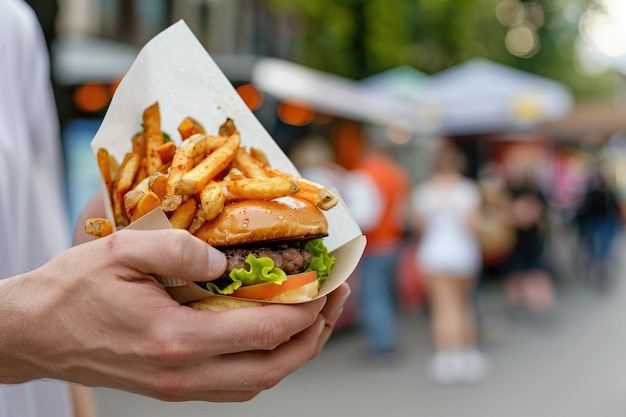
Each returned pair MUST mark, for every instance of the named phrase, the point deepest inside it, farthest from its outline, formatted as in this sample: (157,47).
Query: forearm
(83,401)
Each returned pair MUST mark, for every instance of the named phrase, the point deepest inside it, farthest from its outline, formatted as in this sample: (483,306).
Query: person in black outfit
(599,222)
(528,285)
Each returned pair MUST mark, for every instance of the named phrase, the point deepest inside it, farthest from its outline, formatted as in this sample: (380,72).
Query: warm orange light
(251,96)
(295,114)
(91,97)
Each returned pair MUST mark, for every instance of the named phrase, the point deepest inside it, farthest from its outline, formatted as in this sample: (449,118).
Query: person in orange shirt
(381,217)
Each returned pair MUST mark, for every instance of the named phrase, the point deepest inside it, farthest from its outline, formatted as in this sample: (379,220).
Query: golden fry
(309,190)
(193,181)
(259,155)
(166,152)
(197,222)
(139,144)
(233,174)
(153,137)
(141,175)
(251,167)
(104,163)
(182,162)
(98,227)
(212,200)
(184,215)
(146,204)
(122,184)
(259,188)
(316,194)
(228,128)
(114,166)
(189,127)
(126,176)
(158,183)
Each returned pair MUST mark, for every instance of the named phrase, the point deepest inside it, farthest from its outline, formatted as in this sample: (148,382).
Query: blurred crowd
(531,218)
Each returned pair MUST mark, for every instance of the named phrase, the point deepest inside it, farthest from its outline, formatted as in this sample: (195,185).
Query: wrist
(21,344)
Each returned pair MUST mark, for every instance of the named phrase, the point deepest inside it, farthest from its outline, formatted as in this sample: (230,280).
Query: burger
(274,251)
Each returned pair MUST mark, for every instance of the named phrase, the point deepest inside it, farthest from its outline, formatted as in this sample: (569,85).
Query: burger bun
(253,221)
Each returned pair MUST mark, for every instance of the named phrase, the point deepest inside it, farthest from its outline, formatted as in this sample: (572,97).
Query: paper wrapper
(175,70)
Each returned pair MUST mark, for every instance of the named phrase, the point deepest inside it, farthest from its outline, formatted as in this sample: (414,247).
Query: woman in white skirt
(445,213)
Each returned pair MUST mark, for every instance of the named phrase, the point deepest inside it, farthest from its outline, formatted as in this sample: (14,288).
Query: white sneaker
(446,367)
(474,366)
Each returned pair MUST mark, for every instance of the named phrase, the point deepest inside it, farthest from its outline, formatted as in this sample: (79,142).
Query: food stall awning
(481,96)
(337,95)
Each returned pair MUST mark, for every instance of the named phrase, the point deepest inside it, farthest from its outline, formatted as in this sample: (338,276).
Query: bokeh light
(92,97)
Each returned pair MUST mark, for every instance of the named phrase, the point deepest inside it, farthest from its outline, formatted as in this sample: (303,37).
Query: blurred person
(93,315)
(599,222)
(445,211)
(377,195)
(315,159)
(529,287)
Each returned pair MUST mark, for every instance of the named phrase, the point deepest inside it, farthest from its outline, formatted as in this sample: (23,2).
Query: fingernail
(217,260)
(321,326)
(344,300)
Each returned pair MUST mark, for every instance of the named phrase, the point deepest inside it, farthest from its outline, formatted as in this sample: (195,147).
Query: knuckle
(169,351)
(269,333)
(270,378)
(178,251)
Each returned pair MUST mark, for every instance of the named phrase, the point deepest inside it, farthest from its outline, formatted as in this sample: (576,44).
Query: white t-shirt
(33,218)
(447,245)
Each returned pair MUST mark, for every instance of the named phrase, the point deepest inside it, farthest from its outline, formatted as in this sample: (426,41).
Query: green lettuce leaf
(261,270)
(264,270)
(322,262)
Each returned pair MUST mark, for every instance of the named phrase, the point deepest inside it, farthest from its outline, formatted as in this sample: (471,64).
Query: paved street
(572,366)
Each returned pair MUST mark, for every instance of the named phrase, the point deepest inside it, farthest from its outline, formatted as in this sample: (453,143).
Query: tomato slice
(270,289)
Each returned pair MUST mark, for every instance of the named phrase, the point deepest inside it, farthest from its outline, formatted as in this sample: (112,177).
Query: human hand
(94,316)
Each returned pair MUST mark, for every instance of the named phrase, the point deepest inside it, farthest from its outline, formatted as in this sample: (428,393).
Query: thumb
(168,252)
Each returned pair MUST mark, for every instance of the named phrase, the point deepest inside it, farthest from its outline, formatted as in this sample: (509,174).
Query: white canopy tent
(480,96)
(337,95)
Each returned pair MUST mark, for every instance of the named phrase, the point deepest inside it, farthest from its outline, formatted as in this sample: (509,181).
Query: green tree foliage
(357,38)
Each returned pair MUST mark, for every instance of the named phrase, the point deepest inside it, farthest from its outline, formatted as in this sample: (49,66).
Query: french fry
(259,188)
(316,194)
(309,190)
(122,184)
(126,175)
(166,152)
(182,162)
(250,166)
(259,155)
(184,215)
(114,166)
(227,128)
(148,202)
(153,137)
(104,163)
(193,181)
(234,174)
(189,127)
(98,227)
(212,200)
(142,174)
(139,144)
(197,222)
(158,183)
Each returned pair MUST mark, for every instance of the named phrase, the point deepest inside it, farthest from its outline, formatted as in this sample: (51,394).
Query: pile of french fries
(191,182)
